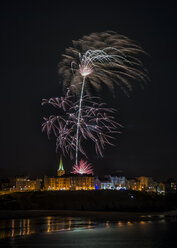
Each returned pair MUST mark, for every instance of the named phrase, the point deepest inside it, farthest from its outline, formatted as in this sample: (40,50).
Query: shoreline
(97,215)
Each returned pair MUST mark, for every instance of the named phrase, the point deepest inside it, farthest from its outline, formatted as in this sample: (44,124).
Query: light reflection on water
(24,227)
(14,227)
(74,232)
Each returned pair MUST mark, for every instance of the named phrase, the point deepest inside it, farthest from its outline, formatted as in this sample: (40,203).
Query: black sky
(34,34)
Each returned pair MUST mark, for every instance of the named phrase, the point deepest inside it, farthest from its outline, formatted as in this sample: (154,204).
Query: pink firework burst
(97,124)
(82,168)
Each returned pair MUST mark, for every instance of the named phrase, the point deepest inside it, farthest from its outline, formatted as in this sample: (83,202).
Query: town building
(56,183)
(111,182)
(146,184)
(132,184)
(119,183)
(26,184)
(170,186)
(143,183)
(160,188)
(103,183)
(69,181)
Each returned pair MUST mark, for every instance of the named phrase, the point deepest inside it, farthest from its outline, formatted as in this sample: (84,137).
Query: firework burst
(86,67)
(95,60)
(97,124)
(82,168)
(103,59)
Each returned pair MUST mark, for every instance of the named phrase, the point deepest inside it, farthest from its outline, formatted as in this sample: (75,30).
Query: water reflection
(89,224)
(49,224)
(143,222)
(129,223)
(119,224)
(107,224)
(23,227)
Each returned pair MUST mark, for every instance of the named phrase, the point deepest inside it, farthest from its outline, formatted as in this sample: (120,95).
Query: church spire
(60,170)
(61,164)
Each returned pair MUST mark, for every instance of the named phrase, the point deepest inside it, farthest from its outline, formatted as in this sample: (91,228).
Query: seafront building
(70,181)
(170,186)
(26,184)
(111,182)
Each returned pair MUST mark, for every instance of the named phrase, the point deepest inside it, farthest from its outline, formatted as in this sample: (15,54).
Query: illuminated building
(103,183)
(146,184)
(132,184)
(69,182)
(152,185)
(73,182)
(143,183)
(170,186)
(26,184)
(97,183)
(119,182)
(82,182)
(111,182)
(60,170)
(50,183)
(160,189)
(56,183)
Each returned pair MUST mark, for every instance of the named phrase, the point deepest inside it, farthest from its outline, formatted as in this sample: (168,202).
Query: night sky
(34,34)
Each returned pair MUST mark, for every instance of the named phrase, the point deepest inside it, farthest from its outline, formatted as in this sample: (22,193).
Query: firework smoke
(103,59)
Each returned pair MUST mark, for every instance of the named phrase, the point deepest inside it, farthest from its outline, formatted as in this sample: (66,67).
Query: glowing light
(107,224)
(85,70)
(28,226)
(142,222)
(82,168)
(89,224)
(119,223)
(69,224)
(13,226)
(129,223)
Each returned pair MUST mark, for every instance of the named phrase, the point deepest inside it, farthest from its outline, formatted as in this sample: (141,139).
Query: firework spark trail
(96,123)
(95,60)
(124,68)
(78,119)
(82,168)
(101,58)
(86,67)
